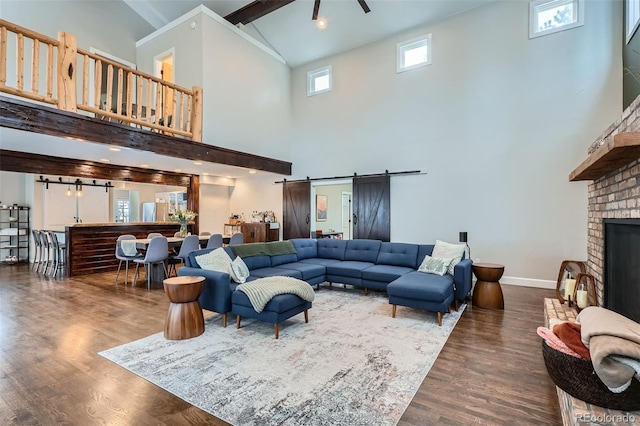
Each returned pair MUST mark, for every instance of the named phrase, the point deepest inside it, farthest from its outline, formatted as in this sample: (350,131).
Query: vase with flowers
(183,217)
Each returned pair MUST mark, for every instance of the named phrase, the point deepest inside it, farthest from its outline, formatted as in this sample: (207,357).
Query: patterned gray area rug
(352,364)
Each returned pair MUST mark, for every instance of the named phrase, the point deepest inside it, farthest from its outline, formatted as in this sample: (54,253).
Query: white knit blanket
(262,290)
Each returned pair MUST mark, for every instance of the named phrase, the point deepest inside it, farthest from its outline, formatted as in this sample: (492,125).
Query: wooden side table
(487,292)
(184,318)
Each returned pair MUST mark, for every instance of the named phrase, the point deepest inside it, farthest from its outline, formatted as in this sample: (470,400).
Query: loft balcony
(79,95)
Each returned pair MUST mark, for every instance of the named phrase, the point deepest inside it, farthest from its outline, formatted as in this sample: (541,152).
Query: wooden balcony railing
(123,94)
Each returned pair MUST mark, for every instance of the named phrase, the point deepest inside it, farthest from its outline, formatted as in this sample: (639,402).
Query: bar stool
(38,249)
(58,254)
(46,258)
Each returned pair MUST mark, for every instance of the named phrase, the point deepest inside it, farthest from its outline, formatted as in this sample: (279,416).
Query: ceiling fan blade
(364,6)
(316,9)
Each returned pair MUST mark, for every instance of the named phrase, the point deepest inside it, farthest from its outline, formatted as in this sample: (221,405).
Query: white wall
(497,122)
(110,26)
(246,91)
(259,194)
(214,208)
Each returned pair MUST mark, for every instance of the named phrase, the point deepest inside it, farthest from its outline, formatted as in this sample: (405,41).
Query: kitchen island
(91,246)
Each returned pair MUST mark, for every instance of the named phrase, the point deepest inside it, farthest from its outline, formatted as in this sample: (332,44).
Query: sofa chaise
(368,264)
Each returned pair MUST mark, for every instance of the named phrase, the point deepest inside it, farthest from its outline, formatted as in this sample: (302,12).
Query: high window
(632,10)
(550,16)
(414,53)
(319,81)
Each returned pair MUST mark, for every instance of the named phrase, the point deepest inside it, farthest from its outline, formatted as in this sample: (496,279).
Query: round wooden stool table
(184,319)
(487,292)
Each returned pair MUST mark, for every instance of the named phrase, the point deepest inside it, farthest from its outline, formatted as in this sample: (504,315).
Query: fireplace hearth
(622,267)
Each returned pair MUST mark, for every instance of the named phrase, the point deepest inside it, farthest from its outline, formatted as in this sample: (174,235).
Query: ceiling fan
(316,8)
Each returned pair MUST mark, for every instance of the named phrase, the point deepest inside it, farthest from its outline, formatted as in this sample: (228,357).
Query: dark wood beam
(255,10)
(22,162)
(21,115)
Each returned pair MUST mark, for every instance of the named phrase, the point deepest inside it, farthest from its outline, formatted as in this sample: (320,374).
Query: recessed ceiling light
(205,174)
(321,23)
(253,172)
(197,163)
(177,170)
(228,177)
(105,160)
(114,149)
(144,166)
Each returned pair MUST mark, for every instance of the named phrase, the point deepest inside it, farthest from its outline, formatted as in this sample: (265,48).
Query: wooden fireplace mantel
(612,155)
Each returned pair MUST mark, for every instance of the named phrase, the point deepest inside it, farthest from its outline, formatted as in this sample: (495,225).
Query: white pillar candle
(582,298)
(569,287)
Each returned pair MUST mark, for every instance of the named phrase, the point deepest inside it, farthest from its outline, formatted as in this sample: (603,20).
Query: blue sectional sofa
(368,264)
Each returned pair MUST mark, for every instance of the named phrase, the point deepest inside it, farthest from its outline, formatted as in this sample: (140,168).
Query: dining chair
(237,238)
(38,249)
(157,253)
(215,241)
(177,234)
(122,257)
(205,234)
(154,234)
(190,243)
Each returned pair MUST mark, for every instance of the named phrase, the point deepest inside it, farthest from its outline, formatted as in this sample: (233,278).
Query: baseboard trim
(528,282)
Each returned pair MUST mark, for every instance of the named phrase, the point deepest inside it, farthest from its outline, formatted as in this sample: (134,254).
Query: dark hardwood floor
(490,371)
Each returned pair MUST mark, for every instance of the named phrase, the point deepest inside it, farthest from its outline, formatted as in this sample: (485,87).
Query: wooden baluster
(97,87)
(174,120)
(120,84)
(189,103)
(180,111)
(3,56)
(85,80)
(20,65)
(49,70)
(67,57)
(35,67)
(196,129)
(149,100)
(109,106)
(129,94)
(139,100)
(159,106)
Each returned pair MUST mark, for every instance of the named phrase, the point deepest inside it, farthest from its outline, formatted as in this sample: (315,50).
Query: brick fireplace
(613,164)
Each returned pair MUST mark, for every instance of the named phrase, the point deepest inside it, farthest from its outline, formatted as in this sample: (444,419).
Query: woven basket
(577,377)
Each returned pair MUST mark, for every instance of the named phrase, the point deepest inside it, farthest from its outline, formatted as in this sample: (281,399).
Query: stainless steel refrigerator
(155,212)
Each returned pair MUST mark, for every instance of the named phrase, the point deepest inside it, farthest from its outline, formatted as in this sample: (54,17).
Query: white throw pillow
(239,270)
(216,260)
(449,251)
(435,265)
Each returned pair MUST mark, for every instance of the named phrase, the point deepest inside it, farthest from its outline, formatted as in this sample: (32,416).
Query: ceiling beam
(255,10)
(26,116)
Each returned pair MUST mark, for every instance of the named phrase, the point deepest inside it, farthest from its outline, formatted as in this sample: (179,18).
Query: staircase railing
(122,95)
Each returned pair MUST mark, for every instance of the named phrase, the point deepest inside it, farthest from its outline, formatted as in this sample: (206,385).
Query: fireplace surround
(613,168)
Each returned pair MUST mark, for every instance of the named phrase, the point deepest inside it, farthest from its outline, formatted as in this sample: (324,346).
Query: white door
(346,215)
(93,206)
(59,209)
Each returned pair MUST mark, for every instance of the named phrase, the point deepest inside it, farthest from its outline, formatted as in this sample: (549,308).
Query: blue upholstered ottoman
(420,290)
(280,308)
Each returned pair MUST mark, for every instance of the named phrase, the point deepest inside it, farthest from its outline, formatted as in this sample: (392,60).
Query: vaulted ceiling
(289,30)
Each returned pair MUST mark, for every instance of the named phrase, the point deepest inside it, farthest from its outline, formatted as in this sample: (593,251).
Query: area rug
(352,364)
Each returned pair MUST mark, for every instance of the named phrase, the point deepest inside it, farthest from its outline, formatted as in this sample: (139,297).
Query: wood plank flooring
(490,371)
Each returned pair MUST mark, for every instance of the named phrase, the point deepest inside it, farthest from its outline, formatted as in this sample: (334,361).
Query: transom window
(550,16)
(319,81)
(414,53)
